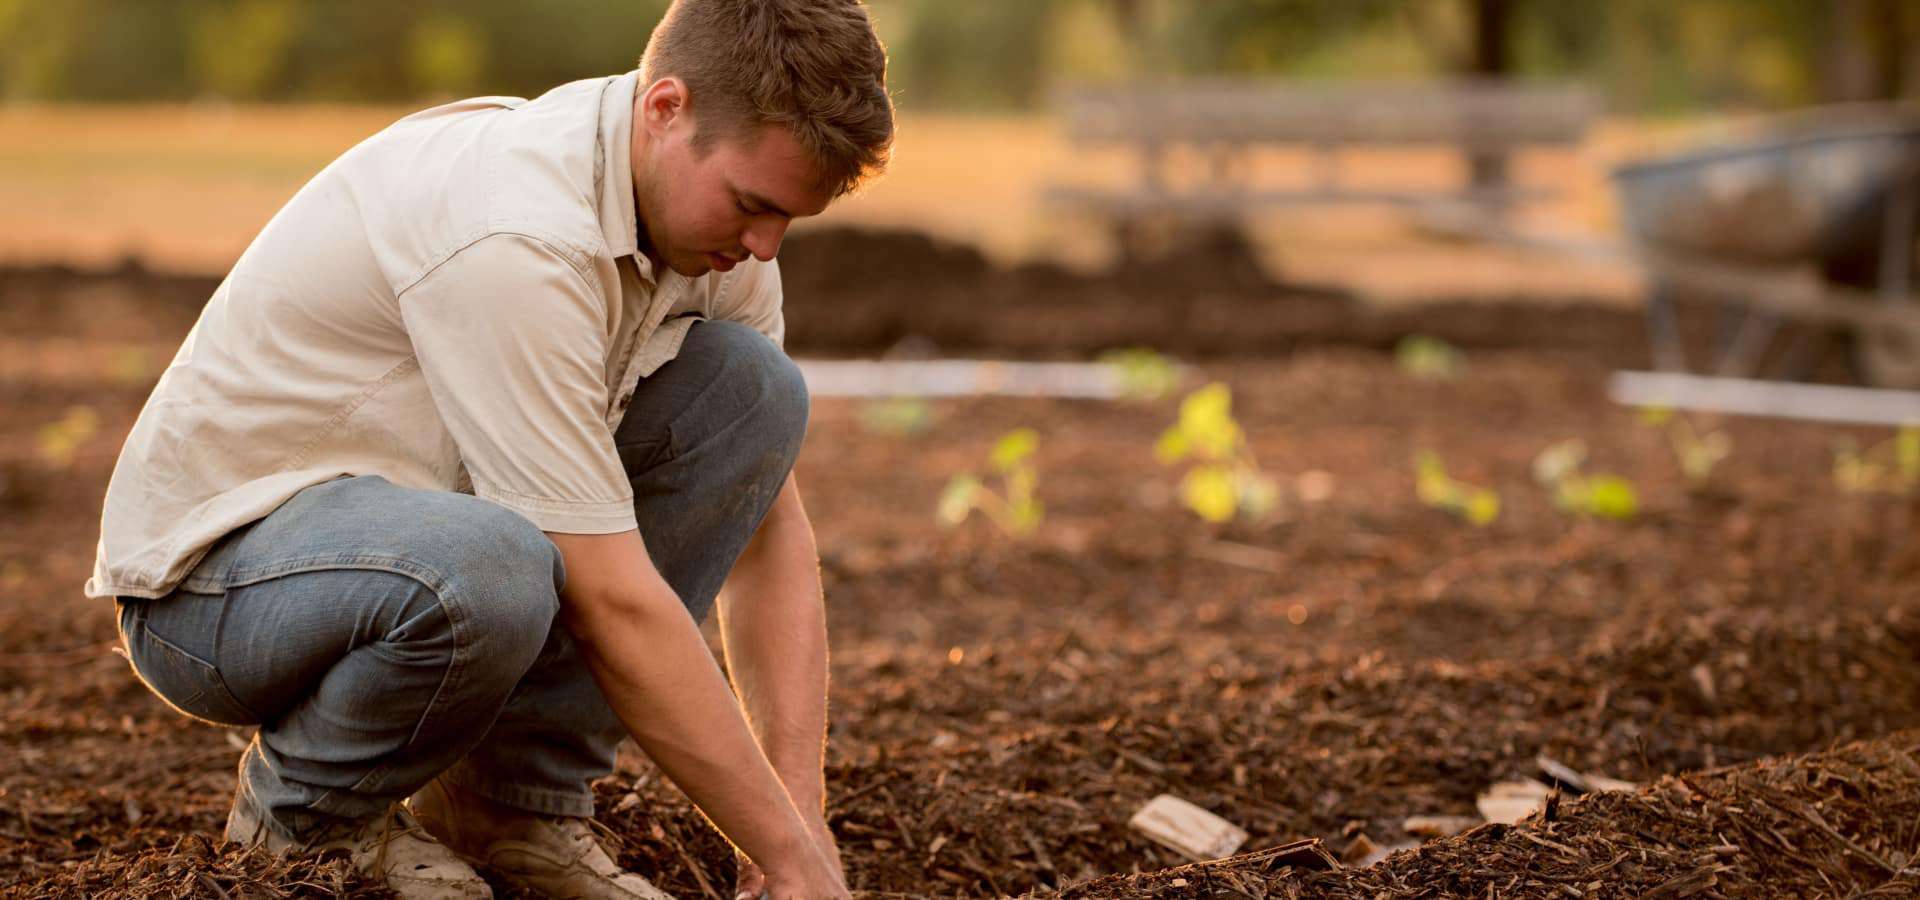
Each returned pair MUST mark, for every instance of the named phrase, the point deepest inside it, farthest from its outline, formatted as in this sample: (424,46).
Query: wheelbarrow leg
(1750,332)
(1896,244)
(1663,326)
(1890,356)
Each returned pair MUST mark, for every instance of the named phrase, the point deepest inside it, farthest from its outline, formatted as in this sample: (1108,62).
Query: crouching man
(466,445)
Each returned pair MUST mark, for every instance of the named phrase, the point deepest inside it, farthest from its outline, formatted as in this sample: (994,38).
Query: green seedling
(1600,495)
(896,416)
(1435,488)
(1891,466)
(60,440)
(1014,509)
(1697,452)
(1223,479)
(1144,374)
(1429,358)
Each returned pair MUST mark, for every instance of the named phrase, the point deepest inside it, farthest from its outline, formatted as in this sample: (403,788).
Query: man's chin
(693,268)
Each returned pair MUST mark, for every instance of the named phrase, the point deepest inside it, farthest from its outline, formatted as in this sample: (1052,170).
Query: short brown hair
(815,66)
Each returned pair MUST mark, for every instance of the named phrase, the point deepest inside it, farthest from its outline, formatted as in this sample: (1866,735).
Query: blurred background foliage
(1644,55)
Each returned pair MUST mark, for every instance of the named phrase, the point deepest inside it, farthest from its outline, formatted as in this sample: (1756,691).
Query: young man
(465,446)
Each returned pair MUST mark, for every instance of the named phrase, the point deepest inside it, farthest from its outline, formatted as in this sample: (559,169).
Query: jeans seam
(457,623)
(426,575)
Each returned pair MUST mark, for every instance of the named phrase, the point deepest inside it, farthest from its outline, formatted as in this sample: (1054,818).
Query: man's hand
(752,880)
(816,879)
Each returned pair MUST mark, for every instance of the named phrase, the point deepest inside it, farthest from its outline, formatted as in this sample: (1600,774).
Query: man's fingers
(752,882)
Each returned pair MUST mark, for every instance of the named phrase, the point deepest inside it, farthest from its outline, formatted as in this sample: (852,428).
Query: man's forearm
(773,624)
(651,664)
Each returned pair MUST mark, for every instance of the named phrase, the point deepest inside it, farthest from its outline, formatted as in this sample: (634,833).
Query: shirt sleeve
(751,294)
(512,341)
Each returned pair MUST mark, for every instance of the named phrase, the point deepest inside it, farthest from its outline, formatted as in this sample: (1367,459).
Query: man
(458,455)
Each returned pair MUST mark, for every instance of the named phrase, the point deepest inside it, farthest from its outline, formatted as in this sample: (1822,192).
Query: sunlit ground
(185,188)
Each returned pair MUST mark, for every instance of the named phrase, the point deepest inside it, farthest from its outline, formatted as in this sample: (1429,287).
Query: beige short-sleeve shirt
(456,303)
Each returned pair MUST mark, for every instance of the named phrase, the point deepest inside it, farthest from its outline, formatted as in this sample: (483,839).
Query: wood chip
(1439,826)
(1187,829)
(1510,801)
(1361,848)
(1564,774)
(1603,783)
(1703,679)
(1363,852)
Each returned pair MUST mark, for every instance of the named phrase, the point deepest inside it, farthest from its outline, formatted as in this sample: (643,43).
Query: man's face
(706,211)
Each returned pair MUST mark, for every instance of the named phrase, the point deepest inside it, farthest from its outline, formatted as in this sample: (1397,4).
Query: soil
(1001,707)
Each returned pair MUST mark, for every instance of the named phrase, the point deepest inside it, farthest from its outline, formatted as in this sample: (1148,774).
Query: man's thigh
(418,576)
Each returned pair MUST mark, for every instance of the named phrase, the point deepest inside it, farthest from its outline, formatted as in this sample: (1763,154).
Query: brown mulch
(1844,822)
(1000,707)
(197,866)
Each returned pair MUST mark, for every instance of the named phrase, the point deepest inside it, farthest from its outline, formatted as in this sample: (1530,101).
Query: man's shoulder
(530,171)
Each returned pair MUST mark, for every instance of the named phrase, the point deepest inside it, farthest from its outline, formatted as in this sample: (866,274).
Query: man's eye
(742,207)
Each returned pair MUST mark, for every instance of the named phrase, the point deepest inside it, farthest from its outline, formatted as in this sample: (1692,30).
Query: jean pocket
(189,684)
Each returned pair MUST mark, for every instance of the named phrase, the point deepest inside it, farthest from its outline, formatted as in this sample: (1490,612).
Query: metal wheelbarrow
(1813,221)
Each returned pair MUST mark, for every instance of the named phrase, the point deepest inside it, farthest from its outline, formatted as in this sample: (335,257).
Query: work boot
(555,856)
(391,847)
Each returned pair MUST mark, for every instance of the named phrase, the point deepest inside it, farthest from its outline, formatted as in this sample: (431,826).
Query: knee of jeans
(762,372)
(506,575)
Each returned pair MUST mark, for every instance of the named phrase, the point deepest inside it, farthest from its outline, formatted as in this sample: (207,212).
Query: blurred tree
(239,50)
(972,54)
(35,40)
(1253,36)
(1645,54)
(445,55)
(1867,55)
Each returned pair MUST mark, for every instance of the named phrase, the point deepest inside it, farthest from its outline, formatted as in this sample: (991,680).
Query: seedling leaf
(1012,448)
(956,501)
(1209,492)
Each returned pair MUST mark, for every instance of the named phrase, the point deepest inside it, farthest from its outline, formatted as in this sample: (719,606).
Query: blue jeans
(381,636)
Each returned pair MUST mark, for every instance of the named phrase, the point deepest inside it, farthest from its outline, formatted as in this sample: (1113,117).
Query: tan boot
(556,856)
(391,847)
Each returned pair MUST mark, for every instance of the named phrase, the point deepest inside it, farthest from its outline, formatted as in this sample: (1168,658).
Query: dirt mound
(854,291)
(859,291)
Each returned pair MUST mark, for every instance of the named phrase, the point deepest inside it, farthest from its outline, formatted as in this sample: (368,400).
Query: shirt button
(625,399)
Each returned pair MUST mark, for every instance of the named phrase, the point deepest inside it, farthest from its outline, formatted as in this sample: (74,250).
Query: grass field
(186,187)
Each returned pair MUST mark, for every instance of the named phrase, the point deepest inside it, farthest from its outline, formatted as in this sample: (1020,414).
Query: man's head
(751,113)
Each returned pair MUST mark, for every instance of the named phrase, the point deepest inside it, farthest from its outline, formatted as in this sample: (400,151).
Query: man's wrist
(810,803)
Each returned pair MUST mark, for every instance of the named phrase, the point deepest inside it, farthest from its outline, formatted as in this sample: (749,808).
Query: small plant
(896,416)
(1429,358)
(1891,466)
(1435,488)
(1600,495)
(1015,509)
(1224,479)
(1144,374)
(60,440)
(1697,452)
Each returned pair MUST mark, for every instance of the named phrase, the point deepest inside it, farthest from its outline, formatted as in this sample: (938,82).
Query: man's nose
(762,238)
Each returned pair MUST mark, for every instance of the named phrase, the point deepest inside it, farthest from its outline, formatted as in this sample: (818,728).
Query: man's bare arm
(654,668)
(774,627)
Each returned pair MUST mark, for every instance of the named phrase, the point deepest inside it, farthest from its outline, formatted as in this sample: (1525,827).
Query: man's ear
(663,103)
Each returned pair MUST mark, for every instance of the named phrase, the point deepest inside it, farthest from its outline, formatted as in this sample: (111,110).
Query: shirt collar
(616,167)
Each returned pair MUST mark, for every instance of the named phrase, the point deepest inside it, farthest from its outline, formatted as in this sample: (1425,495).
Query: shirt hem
(569,517)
